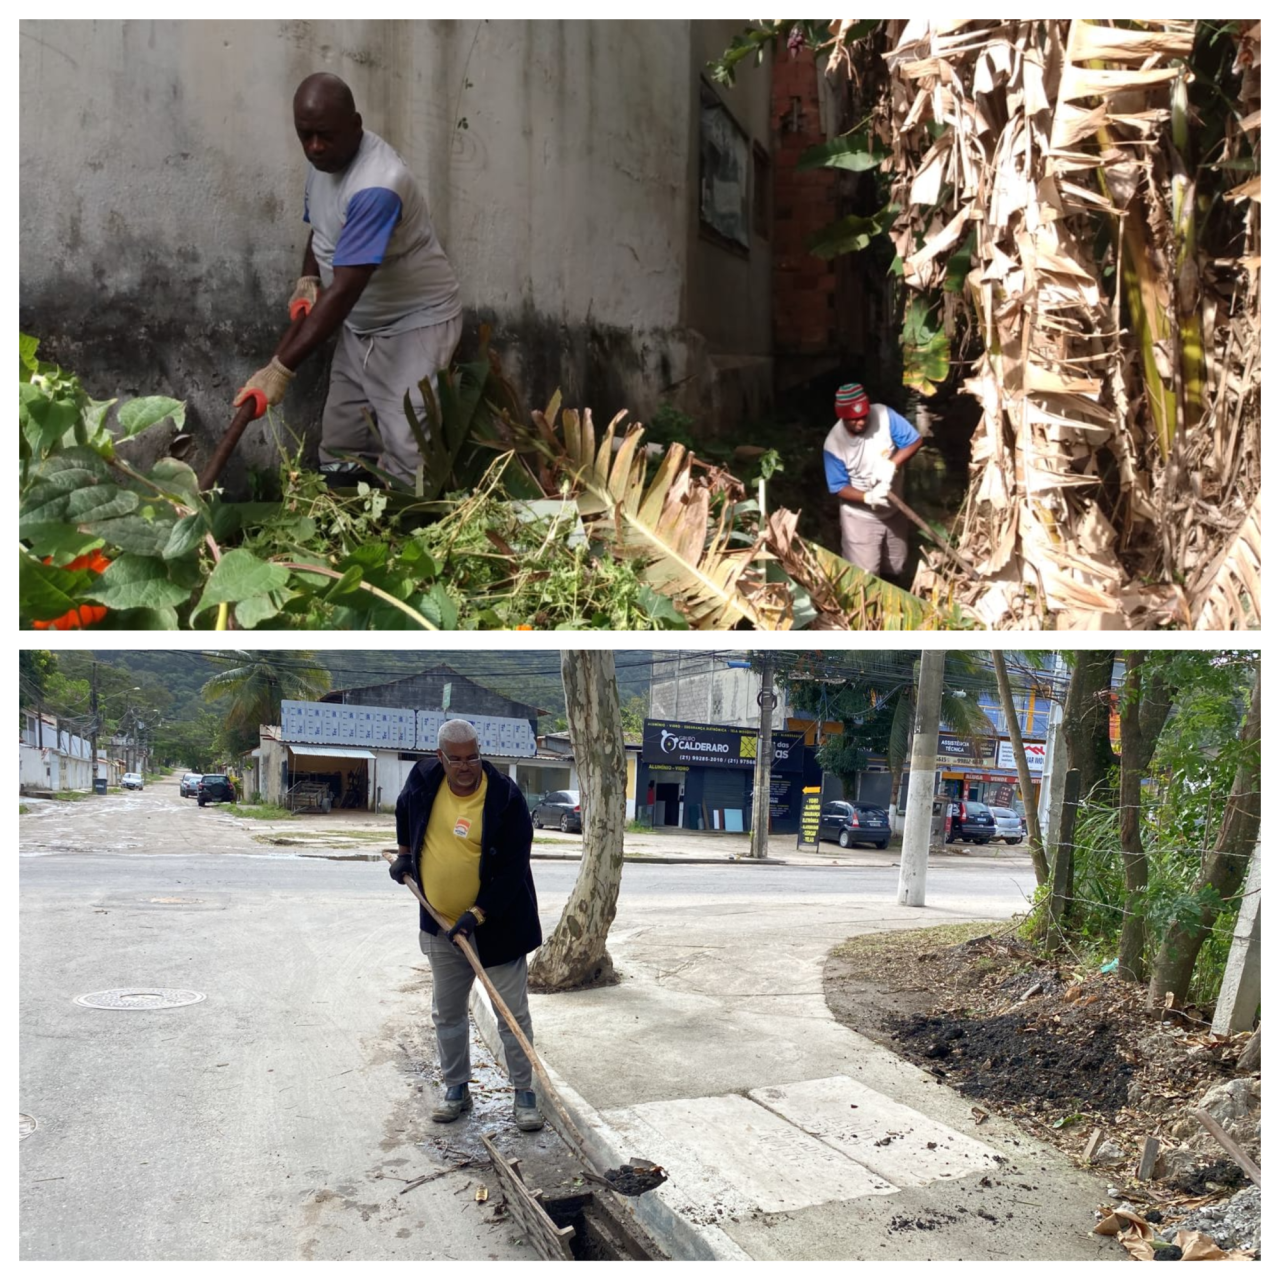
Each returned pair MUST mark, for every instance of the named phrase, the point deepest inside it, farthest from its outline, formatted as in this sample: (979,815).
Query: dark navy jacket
(511,927)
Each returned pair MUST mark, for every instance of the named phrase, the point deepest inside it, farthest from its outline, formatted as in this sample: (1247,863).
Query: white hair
(457,731)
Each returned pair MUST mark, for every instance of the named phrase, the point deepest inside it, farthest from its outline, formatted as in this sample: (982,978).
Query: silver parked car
(1010,826)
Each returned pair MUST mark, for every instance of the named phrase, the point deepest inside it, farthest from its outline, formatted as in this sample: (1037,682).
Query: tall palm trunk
(1037,141)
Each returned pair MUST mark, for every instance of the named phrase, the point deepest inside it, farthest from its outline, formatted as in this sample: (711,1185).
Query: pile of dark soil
(1049,1064)
(1056,1048)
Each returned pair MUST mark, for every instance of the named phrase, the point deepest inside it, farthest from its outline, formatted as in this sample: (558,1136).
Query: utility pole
(764,760)
(924,764)
(93,725)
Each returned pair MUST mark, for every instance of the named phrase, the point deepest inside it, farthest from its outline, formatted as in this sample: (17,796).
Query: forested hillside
(527,676)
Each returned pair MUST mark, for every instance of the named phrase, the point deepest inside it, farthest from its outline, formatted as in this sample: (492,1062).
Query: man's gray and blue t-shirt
(373,213)
(847,458)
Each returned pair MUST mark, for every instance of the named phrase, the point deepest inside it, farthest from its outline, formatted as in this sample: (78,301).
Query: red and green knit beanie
(852,402)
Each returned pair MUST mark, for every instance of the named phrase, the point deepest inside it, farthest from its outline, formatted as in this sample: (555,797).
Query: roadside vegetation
(262,812)
(535,521)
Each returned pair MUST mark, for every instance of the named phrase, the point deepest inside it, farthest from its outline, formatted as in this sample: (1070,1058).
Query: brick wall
(804,287)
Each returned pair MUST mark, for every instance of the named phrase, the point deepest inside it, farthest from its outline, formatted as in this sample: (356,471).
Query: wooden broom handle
(548,1089)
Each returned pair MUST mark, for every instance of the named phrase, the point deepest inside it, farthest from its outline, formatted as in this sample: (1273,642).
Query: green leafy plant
(926,349)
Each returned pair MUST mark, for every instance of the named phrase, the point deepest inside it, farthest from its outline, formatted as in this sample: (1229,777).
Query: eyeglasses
(460,759)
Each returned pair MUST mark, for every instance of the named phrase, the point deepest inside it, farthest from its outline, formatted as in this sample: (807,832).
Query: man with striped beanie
(863,455)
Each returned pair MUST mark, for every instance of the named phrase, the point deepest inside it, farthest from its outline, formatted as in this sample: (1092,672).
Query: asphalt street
(279,1116)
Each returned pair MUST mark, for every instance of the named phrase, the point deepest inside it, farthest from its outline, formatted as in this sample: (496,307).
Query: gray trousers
(451,981)
(874,542)
(372,372)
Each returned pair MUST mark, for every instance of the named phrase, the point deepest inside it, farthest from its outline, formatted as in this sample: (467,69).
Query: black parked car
(971,820)
(561,809)
(851,824)
(213,787)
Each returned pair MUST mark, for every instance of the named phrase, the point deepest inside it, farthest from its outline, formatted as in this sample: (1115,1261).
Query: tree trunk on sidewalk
(1144,709)
(1223,869)
(1036,840)
(576,955)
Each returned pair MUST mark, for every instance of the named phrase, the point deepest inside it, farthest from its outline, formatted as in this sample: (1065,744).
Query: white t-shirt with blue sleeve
(373,213)
(847,459)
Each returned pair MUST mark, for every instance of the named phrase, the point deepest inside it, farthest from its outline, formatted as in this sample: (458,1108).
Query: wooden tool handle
(899,505)
(231,437)
(226,446)
(570,1130)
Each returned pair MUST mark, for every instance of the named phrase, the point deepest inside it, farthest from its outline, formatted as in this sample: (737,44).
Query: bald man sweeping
(374,270)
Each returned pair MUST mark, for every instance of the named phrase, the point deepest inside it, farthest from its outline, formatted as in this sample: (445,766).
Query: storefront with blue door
(701,776)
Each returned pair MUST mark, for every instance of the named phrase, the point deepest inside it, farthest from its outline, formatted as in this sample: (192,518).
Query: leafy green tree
(255,687)
(192,743)
(877,710)
(633,714)
(35,666)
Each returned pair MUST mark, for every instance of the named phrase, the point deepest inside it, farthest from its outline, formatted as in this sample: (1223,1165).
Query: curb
(680,1239)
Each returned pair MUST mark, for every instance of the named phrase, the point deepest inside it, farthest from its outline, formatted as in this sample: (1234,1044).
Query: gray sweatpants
(451,981)
(372,372)
(874,542)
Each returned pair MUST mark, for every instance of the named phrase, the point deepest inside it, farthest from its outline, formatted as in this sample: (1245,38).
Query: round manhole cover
(26,1125)
(140,998)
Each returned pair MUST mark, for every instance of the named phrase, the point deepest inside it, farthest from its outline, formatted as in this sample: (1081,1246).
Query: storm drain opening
(600,1234)
(140,998)
(584,1227)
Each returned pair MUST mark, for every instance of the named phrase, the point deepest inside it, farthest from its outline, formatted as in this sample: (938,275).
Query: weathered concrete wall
(729,290)
(703,690)
(161,189)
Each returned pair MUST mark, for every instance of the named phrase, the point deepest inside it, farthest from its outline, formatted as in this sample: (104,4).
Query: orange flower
(86,614)
(74,619)
(524,626)
(94,560)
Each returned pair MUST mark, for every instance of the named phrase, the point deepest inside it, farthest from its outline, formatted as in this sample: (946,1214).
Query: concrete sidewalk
(786,1135)
(356,832)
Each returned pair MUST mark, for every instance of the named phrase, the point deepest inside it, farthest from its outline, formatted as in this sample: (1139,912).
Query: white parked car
(132,782)
(1010,827)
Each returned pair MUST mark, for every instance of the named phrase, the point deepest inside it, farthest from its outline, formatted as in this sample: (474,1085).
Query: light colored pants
(871,541)
(451,979)
(371,373)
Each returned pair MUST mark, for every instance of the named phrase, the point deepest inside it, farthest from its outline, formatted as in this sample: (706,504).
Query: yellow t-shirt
(449,862)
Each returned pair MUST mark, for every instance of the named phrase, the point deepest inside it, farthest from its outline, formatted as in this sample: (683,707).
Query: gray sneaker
(453,1102)
(528,1117)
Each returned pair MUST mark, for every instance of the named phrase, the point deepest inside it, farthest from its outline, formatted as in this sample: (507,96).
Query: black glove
(400,867)
(466,926)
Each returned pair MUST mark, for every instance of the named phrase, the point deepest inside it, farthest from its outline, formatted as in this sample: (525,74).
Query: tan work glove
(882,469)
(266,387)
(877,495)
(305,294)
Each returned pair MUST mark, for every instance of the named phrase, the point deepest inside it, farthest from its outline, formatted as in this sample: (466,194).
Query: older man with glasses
(464,834)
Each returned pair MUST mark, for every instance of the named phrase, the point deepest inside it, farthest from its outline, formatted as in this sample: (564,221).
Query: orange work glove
(305,293)
(266,387)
